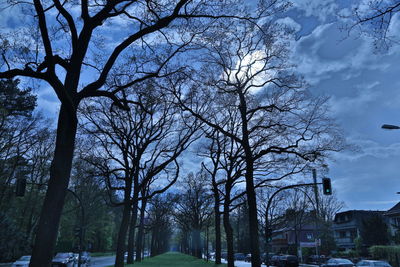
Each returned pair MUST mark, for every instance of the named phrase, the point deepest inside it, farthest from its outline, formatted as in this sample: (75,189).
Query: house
(393,217)
(295,229)
(286,237)
(348,225)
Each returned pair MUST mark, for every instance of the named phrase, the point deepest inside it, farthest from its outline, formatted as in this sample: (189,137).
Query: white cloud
(366,94)
(327,51)
(290,23)
(48,102)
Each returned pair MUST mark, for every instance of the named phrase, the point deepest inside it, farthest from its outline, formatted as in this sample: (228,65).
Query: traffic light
(326,186)
(20,187)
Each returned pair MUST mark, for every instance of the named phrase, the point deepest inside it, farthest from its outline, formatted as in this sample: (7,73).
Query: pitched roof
(395,210)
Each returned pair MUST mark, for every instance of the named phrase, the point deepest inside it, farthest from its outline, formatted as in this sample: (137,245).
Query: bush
(388,253)
(346,254)
(13,242)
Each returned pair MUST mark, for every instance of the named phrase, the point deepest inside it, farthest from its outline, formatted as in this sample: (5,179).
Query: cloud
(290,23)
(327,51)
(366,94)
(322,9)
(47,101)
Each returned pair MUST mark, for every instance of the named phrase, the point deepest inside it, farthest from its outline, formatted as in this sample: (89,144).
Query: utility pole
(314,172)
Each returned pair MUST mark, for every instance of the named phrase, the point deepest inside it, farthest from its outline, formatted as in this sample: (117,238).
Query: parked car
(274,260)
(265,258)
(288,261)
(85,258)
(372,263)
(315,259)
(63,259)
(224,255)
(247,258)
(338,262)
(239,256)
(22,262)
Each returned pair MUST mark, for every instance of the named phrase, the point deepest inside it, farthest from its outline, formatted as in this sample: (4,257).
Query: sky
(362,84)
(363,88)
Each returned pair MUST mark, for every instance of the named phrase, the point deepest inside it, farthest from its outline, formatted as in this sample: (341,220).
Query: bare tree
(214,154)
(160,216)
(138,148)
(193,209)
(376,19)
(281,126)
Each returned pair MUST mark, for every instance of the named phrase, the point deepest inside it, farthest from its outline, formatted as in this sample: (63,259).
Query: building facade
(348,225)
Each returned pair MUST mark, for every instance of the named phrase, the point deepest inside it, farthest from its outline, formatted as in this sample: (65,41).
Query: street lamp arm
(390,127)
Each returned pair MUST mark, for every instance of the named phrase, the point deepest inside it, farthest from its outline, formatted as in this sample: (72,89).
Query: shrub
(388,253)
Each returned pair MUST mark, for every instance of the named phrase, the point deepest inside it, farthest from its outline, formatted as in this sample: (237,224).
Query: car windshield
(343,261)
(25,258)
(381,263)
(62,255)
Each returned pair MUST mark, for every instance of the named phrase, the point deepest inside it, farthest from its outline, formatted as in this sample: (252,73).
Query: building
(348,225)
(393,218)
(286,237)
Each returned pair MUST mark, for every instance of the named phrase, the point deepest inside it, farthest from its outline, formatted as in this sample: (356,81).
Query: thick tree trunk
(123,230)
(139,240)
(253,222)
(229,235)
(217,228)
(132,228)
(60,171)
(250,191)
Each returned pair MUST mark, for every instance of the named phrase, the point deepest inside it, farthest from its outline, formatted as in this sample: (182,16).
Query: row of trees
(180,69)
(293,209)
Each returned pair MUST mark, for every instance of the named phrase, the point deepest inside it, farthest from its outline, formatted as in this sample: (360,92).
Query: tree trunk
(253,222)
(132,227)
(60,171)
(152,243)
(139,240)
(250,191)
(217,228)
(229,235)
(197,243)
(123,230)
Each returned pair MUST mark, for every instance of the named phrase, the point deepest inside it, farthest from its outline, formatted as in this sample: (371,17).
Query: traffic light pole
(268,231)
(314,172)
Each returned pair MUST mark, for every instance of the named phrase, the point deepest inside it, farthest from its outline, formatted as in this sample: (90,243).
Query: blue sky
(363,89)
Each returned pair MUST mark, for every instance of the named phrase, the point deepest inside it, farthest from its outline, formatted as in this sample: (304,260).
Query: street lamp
(390,127)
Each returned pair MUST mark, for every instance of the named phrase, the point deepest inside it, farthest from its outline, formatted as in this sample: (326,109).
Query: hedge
(388,253)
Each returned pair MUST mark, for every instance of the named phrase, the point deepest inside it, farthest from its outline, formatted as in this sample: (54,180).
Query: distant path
(102,261)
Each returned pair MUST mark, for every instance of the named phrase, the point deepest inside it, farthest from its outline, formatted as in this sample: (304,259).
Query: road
(102,261)
(242,263)
(248,264)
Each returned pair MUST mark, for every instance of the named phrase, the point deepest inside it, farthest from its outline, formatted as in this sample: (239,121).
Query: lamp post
(390,127)
(268,231)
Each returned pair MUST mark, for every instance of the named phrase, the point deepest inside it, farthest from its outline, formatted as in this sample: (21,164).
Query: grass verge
(102,254)
(173,259)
